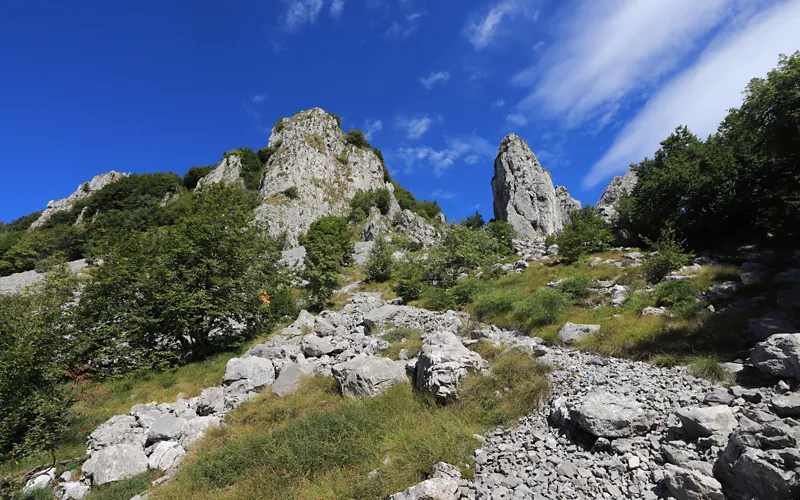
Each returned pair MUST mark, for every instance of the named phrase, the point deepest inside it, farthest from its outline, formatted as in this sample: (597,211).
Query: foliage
(586,233)
(474,221)
(252,166)
(184,291)
(467,289)
(357,138)
(265,153)
(35,334)
(21,223)
(577,287)
(541,307)
(504,233)
(670,256)
(193,176)
(709,368)
(363,201)
(127,488)
(405,198)
(460,249)
(410,281)
(378,267)
(675,293)
(290,193)
(279,126)
(328,251)
(337,118)
(437,299)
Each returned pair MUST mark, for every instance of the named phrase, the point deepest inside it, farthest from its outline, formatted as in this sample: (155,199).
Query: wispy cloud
(404,27)
(371,127)
(257,99)
(472,147)
(701,95)
(300,12)
(441,194)
(517,119)
(498,104)
(434,78)
(610,49)
(482,27)
(415,127)
(337,6)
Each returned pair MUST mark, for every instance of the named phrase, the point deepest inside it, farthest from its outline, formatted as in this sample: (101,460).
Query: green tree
(357,138)
(328,251)
(193,176)
(474,221)
(379,263)
(363,201)
(504,233)
(585,233)
(265,153)
(670,257)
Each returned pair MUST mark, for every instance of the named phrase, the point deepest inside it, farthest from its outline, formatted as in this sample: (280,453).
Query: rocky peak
(314,172)
(524,194)
(97,183)
(227,172)
(618,187)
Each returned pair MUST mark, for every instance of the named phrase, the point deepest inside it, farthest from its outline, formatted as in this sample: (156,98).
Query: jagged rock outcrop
(524,194)
(326,172)
(620,186)
(97,183)
(227,172)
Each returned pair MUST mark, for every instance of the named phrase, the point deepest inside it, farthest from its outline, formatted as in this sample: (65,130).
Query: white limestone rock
(97,183)
(115,463)
(227,172)
(619,187)
(443,362)
(368,376)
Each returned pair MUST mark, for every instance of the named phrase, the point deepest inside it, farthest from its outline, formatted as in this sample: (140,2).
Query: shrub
(670,256)
(379,262)
(437,299)
(708,367)
(328,251)
(541,308)
(265,153)
(577,287)
(193,176)
(504,234)
(405,198)
(460,249)
(363,201)
(495,302)
(474,221)
(586,233)
(409,279)
(675,293)
(252,167)
(290,193)
(357,138)
(279,126)
(467,289)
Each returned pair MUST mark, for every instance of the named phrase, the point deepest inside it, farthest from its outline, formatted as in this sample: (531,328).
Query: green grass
(123,490)
(708,367)
(316,444)
(413,342)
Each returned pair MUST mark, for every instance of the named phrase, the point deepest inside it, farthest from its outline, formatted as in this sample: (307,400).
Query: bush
(504,234)
(460,249)
(494,303)
(670,256)
(193,176)
(252,167)
(586,233)
(265,153)
(675,293)
(467,289)
(379,262)
(279,126)
(409,279)
(474,221)
(577,287)
(541,308)
(357,138)
(290,193)
(363,201)
(405,198)
(328,251)
(437,299)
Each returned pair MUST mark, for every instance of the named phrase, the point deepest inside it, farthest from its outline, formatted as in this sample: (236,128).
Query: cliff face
(524,194)
(228,171)
(97,183)
(618,187)
(313,173)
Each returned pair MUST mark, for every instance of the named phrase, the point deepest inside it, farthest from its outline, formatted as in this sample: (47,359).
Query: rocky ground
(613,428)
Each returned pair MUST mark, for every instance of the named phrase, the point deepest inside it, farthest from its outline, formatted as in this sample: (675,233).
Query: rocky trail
(613,428)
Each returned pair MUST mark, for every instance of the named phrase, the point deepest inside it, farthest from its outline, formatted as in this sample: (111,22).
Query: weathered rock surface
(608,415)
(97,183)
(705,422)
(444,361)
(227,172)
(115,463)
(779,355)
(686,484)
(524,194)
(166,455)
(289,379)
(313,157)
(619,187)
(258,372)
(18,282)
(442,485)
(571,333)
(368,376)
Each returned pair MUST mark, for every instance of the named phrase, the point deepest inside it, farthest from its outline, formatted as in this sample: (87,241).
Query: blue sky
(592,85)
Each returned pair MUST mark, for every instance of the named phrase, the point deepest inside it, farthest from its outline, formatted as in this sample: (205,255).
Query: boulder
(524,195)
(367,376)
(442,485)
(376,318)
(256,372)
(166,455)
(786,406)
(770,324)
(686,484)
(166,428)
(416,228)
(324,328)
(443,362)
(115,463)
(74,490)
(707,421)
(314,346)
(609,415)
(654,311)
(194,429)
(40,481)
(571,333)
(619,187)
(289,379)
(119,429)
(779,355)
(211,401)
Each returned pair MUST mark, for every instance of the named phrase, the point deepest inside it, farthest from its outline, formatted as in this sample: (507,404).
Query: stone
(376,318)
(654,311)
(524,195)
(443,362)
(723,290)
(789,299)
(770,324)
(430,489)
(115,463)
(779,355)
(74,490)
(685,484)
(166,428)
(315,347)
(166,455)
(718,396)
(228,171)
(375,226)
(786,406)
(288,382)
(324,328)
(294,258)
(609,415)
(753,277)
(40,481)
(571,333)
(256,372)
(707,421)
(416,228)
(119,429)
(619,187)
(361,251)
(211,401)
(326,172)
(194,429)
(368,376)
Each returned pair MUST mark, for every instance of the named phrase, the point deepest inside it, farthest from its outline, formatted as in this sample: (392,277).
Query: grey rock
(361,251)
(654,311)
(115,463)
(367,376)
(789,276)
(294,258)
(119,429)
(211,401)
(789,299)
(228,171)
(166,428)
(779,355)
(416,227)
(166,455)
(443,362)
(288,382)
(314,346)
(97,183)
(619,187)
(786,406)
(74,490)
(571,333)
(718,396)
(685,484)
(707,421)
(40,481)
(609,415)
(753,277)
(194,429)
(255,372)
(770,324)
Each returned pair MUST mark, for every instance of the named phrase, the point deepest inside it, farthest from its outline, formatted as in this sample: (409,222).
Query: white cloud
(300,12)
(405,27)
(259,98)
(415,127)
(498,104)
(517,119)
(610,49)
(442,159)
(337,6)
(431,80)
(443,195)
(701,95)
(482,28)
(471,159)
(371,127)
